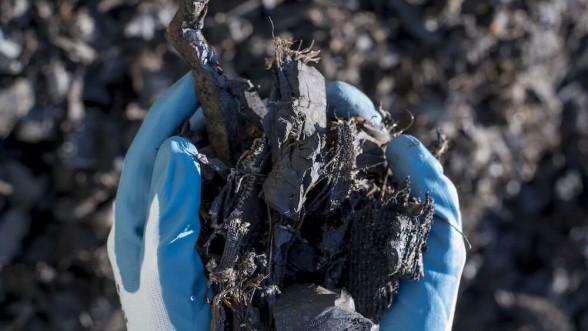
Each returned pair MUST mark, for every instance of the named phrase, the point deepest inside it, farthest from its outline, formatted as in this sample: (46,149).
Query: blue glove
(158,273)
(428,304)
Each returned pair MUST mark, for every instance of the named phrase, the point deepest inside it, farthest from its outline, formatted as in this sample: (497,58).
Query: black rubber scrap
(385,244)
(232,108)
(303,227)
(296,128)
(310,307)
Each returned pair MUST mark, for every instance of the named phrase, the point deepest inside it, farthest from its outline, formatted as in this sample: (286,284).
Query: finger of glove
(345,100)
(164,117)
(428,304)
(171,233)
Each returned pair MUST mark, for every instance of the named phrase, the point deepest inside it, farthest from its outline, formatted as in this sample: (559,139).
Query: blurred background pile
(505,80)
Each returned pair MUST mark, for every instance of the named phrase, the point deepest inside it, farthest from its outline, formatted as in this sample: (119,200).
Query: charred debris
(302,225)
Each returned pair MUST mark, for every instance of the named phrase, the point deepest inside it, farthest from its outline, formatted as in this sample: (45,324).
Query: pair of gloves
(159,275)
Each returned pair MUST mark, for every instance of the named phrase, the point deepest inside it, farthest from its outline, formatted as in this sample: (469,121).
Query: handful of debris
(302,226)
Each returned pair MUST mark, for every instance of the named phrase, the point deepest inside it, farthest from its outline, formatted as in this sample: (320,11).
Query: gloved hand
(428,304)
(158,273)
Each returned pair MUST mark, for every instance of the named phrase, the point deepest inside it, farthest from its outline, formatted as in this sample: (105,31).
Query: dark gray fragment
(335,318)
(344,151)
(299,304)
(311,307)
(232,108)
(296,129)
(386,241)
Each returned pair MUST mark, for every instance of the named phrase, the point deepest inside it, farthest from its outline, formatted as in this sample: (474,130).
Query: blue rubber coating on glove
(345,100)
(177,185)
(164,117)
(428,304)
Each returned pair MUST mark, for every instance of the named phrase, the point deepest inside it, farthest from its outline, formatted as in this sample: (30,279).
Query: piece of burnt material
(240,219)
(233,109)
(296,128)
(386,241)
(309,307)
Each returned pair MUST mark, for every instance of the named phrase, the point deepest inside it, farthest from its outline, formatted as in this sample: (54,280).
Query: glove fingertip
(175,152)
(345,100)
(177,184)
